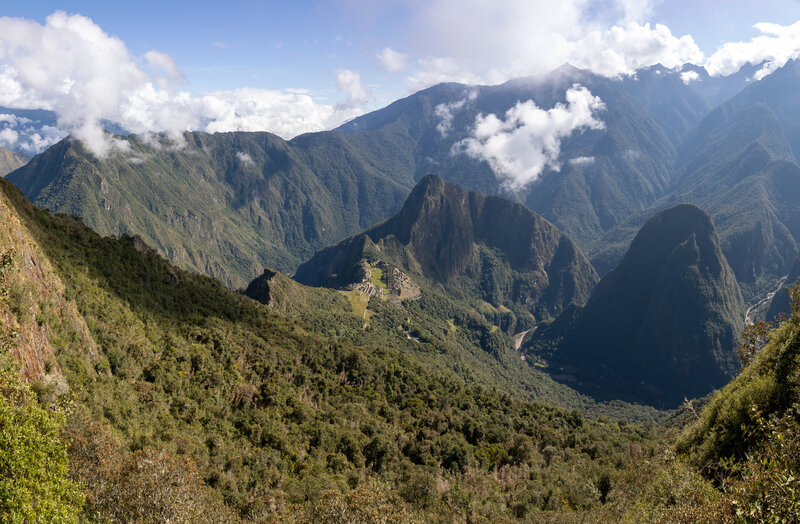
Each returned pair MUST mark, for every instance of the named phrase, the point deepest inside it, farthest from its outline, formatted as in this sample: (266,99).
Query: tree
(34,486)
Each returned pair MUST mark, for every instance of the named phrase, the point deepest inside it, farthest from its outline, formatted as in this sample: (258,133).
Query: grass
(376,277)
(358,301)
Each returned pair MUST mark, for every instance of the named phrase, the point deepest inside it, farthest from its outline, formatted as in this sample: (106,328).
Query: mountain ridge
(438,234)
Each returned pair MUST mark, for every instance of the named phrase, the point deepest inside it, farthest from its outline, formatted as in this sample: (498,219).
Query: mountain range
(413,338)
(478,247)
(264,202)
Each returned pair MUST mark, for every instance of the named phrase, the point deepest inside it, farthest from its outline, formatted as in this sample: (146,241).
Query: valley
(558,295)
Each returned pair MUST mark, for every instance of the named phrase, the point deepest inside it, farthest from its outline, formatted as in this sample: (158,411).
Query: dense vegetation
(201,404)
(228,205)
(269,415)
(34,485)
(152,393)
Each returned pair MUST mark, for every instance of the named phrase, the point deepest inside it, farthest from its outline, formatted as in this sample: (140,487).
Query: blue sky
(309,65)
(281,44)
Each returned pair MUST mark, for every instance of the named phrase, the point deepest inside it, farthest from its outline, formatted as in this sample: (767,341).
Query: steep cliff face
(37,291)
(664,324)
(477,246)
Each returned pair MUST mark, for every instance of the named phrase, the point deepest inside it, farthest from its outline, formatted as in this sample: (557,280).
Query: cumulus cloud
(528,141)
(391,60)
(26,135)
(624,49)
(608,38)
(165,63)
(445,112)
(71,66)
(8,137)
(775,46)
(350,82)
(434,70)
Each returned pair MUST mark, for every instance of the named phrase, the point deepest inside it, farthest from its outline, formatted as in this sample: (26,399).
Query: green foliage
(662,326)
(33,458)
(209,208)
(274,414)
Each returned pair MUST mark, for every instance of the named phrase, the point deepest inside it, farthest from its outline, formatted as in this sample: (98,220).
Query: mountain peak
(664,324)
(451,236)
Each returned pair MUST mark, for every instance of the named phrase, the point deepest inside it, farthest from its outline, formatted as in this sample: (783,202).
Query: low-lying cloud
(528,140)
(26,135)
(581,161)
(245,159)
(445,112)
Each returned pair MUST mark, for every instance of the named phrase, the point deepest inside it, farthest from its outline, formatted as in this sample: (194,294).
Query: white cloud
(391,60)
(434,70)
(445,112)
(245,159)
(514,38)
(687,77)
(350,82)
(776,45)
(623,49)
(581,161)
(70,66)
(166,63)
(8,137)
(520,147)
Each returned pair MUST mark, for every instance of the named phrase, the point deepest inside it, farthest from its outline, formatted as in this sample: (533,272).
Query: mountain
(228,205)
(175,396)
(739,165)
(224,204)
(9,161)
(481,248)
(661,326)
(629,159)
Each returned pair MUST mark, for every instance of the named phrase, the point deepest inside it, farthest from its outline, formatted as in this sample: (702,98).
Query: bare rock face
(36,290)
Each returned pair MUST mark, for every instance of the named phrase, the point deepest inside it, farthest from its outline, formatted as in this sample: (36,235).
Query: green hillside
(255,414)
(479,248)
(225,205)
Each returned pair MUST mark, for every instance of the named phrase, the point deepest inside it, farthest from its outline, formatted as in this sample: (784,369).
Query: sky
(293,67)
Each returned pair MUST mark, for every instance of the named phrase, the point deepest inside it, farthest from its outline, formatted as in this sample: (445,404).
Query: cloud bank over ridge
(69,65)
